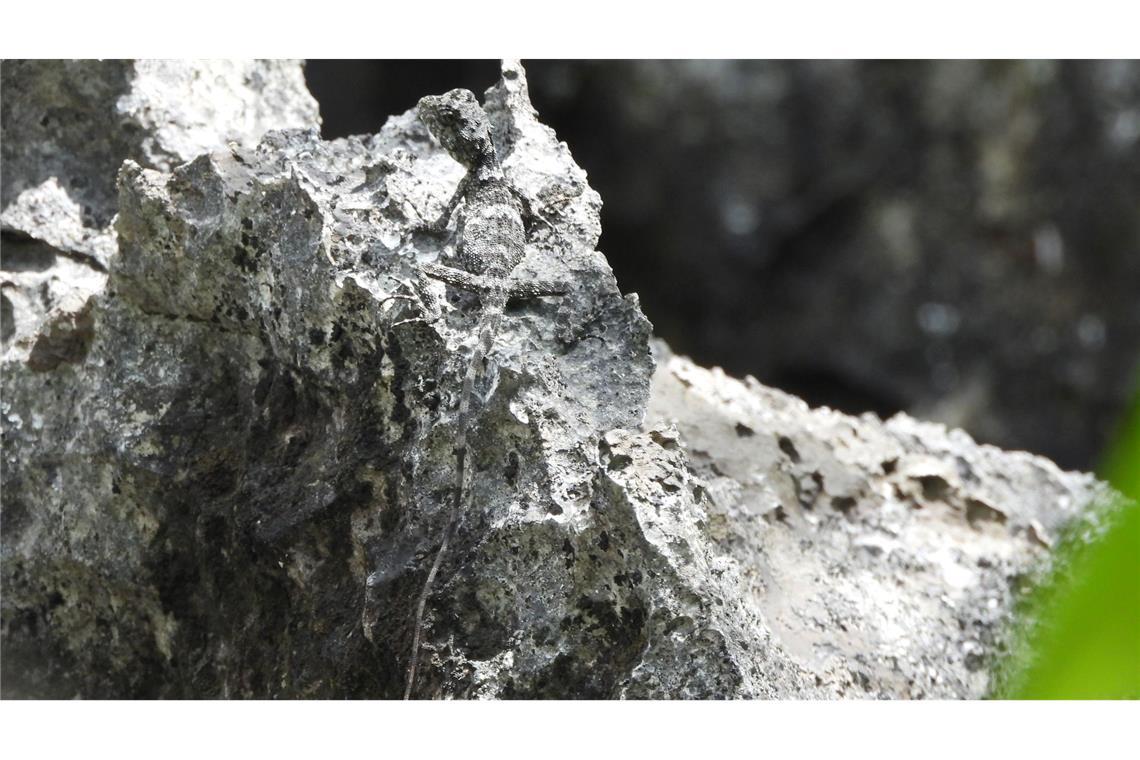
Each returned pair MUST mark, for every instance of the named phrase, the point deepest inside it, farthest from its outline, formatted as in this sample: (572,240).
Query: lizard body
(492,243)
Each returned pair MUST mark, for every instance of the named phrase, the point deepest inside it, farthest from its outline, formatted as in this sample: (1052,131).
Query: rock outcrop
(961,235)
(227,447)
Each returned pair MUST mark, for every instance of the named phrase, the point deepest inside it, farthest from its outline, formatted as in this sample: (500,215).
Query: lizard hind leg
(427,310)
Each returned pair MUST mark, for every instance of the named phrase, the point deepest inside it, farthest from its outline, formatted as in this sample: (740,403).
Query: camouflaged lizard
(492,243)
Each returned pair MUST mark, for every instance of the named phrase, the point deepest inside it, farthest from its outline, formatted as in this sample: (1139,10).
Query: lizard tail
(493,306)
(447,529)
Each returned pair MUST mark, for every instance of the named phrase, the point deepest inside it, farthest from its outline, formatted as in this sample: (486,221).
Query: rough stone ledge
(226,460)
(885,556)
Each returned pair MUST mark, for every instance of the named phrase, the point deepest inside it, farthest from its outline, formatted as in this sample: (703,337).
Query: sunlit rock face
(228,449)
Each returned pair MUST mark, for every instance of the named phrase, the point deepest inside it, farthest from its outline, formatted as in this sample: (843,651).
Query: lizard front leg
(439,225)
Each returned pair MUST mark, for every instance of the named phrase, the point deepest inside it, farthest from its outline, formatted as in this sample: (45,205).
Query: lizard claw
(409,320)
(414,296)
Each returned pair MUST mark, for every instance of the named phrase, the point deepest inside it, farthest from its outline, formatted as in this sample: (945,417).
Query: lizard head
(459,123)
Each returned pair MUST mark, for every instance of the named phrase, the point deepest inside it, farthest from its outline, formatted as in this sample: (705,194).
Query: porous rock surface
(961,235)
(227,459)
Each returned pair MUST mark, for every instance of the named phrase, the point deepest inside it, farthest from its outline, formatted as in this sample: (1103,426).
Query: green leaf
(1081,634)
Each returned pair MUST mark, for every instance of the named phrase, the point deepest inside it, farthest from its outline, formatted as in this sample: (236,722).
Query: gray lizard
(492,243)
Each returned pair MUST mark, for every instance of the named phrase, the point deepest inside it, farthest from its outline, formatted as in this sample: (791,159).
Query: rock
(228,458)
(885,556)
(69,125)
(77,121)
(960,235)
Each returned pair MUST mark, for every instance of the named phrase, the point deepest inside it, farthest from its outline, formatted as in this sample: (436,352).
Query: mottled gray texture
(67,128)
(956,239)
(226,467)
(77,121)
(885,556)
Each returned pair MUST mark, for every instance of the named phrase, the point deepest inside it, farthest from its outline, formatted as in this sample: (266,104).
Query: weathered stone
(885,556)
(77,121)
(960,235)
(228,454)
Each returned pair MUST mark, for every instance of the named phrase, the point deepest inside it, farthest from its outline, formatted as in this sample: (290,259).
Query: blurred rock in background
(958,239)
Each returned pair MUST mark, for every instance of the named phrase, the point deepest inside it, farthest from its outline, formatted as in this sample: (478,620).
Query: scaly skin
(492,242)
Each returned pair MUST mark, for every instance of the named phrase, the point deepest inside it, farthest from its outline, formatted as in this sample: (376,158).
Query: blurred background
(959,240)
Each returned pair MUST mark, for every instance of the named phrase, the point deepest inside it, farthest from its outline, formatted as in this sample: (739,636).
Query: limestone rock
(961,235)
(885,556)
(77,121)
(227,445)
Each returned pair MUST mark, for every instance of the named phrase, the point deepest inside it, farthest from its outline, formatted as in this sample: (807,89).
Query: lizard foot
(412,295)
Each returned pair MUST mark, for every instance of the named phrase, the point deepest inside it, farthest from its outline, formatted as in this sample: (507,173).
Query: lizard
(492,243)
